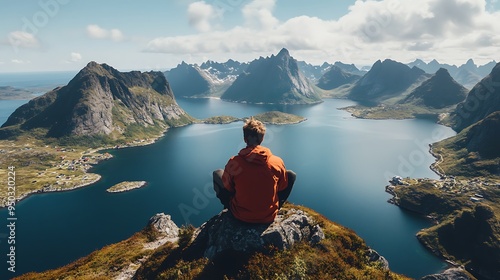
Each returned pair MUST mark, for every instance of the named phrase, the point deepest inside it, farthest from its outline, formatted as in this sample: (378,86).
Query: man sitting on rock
(255,183)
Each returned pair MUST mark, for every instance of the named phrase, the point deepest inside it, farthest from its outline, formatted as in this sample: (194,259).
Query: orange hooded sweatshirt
(255,176)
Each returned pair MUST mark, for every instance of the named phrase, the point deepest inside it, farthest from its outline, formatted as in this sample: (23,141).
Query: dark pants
(225,196)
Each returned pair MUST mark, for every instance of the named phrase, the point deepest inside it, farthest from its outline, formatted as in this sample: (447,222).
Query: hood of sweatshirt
(256,154)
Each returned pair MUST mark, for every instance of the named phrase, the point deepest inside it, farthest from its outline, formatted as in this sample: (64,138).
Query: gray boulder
(164,225)
(374,256)
(223,232)
(449,274)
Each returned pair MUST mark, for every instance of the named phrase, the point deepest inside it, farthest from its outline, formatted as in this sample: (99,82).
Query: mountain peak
(272,80)
(283,52)
(439,91)
(92,64)
(442,72)
(470,62)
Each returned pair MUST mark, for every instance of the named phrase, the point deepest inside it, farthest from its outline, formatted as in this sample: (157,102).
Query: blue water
(36,79)
(7,107)
(342,166)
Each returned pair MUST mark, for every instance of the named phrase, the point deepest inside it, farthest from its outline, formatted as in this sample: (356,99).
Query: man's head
(253,132)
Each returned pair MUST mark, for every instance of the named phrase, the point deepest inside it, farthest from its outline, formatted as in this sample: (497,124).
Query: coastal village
(41,168)
(474,188)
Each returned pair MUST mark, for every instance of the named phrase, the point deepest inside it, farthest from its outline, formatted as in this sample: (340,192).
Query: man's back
(255,176)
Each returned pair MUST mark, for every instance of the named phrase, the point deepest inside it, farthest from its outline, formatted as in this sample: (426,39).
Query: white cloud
(20,61)
(258,14)
(94,31)
(200,15)
(398,29)
(75,57)
(116,35)
(21,39)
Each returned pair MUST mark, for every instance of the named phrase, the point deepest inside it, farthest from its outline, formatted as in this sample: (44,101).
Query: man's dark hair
(253,131)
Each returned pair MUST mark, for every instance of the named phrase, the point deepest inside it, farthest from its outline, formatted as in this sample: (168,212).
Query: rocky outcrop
(450,274)
(374,257)
(225,233)
(163,224)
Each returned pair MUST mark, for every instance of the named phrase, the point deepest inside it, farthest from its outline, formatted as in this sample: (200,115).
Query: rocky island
(126,186)
(272,117)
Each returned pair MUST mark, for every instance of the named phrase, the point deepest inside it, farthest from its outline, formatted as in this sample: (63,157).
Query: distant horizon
(63,35)
(167,69)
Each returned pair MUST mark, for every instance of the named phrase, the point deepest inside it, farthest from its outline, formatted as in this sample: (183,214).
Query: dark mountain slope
(475,151)
(187,81)
(481,101)
(438,92)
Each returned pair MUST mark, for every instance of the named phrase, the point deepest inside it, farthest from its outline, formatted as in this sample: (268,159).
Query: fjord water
(342,166)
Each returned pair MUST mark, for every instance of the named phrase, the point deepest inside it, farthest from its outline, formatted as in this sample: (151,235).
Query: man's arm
(283,178)
(232,168)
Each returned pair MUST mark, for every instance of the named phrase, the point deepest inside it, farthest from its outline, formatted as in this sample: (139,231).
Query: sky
(64,35)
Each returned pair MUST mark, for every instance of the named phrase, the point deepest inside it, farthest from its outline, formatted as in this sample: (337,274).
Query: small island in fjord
(126,186)
(271,117)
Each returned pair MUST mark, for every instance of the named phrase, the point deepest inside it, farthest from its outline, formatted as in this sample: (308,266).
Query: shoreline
(135,143)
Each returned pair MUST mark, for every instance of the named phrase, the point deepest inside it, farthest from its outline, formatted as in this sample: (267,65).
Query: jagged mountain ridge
(315,72)
(209,79)
(273,80)
(439,91)
(385,80)
(229,69)
(481,101)
(100,100)
(468,74)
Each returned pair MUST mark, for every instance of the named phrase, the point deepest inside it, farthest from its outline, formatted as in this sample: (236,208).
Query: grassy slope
(457,160)
(342,255)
